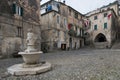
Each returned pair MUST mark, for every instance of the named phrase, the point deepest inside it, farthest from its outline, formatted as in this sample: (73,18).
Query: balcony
(86,27)
(45,9)
(72,32)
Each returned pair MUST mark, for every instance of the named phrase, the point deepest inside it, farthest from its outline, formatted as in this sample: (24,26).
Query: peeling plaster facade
(55,26)
(105,25)
(16,17)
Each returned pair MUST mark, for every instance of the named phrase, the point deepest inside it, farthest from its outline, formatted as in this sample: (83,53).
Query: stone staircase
(88,47)
(116,45)
(0,53)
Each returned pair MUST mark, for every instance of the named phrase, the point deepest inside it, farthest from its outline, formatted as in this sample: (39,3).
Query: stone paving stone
(83,64)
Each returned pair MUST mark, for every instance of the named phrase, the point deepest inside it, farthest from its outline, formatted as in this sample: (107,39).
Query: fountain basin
(31,57)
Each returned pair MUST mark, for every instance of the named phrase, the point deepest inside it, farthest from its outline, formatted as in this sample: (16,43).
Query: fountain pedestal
(31,58)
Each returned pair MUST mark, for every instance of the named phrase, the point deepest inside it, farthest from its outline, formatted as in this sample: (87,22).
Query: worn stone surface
(55,32)
(18,69)
(13,26)
(84,64)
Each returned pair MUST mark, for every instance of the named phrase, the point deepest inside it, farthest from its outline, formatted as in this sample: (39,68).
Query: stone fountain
(31,58)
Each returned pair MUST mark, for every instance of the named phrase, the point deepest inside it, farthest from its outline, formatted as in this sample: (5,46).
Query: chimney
(64,1)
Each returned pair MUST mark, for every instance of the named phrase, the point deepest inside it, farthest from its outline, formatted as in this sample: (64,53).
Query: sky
(85,6)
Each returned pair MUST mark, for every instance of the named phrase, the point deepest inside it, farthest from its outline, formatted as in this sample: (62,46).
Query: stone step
(0,57)
(116,45)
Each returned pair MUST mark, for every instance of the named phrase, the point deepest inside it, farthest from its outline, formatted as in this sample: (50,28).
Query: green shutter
(105,25)
(14,8)
(82,32)
(21,11)
(95,27)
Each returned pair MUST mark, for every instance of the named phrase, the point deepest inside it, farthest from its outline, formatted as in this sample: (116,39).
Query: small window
(58,19)
(70,12)
(76,15)
(58,34)
(64,35)
(19,30)
(105,14)
(17,10)
(65,22)
(49,8)
(81,32)
(75,28)
(105,25)
(95,27)
(95,17)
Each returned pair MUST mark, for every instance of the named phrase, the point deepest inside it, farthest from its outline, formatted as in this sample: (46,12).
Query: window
(19,30)
(64,35)
(65,22)
(49,7)
(58,34)
(95,17)
(76,15)
(105,14)
(70,12)
(105,25)
(75,28)
(95,27)
(81,32)
(58,19)
(17,10)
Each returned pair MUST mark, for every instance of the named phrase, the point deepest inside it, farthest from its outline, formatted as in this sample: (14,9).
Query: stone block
(18,69)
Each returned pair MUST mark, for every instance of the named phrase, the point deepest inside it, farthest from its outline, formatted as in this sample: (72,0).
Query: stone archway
(100,38)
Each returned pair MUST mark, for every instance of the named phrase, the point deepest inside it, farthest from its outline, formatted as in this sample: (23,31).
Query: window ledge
(17,16)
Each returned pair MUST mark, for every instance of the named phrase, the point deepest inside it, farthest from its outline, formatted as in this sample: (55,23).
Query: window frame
(105,14)
(76,15)
(105,25)
(58,19)
(19,31)
(95,17)
(65,21)
(17,10)
(70,12)
(95,27)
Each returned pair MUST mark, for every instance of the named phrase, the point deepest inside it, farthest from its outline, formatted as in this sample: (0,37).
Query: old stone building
(113,6)
(103,28)
(61,26)
(76,27)
(16,17)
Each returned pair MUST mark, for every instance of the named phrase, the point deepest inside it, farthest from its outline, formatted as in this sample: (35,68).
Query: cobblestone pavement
(84,64)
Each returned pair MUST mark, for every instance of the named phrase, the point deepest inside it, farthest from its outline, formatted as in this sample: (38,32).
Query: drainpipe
(39,14)
(22,37)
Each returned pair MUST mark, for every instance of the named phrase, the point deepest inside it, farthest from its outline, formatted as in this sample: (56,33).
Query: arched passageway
(100,38)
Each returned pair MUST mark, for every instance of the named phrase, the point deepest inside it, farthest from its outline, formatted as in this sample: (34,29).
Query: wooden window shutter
(14,8)
(21,11)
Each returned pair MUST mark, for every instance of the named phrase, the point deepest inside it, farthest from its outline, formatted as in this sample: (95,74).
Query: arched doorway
(100,38)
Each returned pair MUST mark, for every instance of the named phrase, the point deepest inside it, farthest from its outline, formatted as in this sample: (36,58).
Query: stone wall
(55,32)
(13,34)
(101,45)
(109,32)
